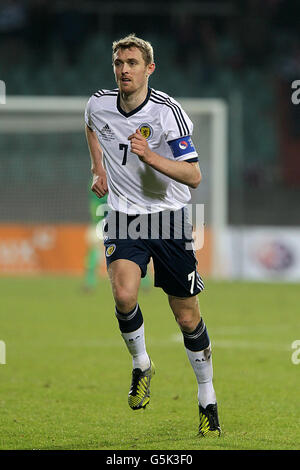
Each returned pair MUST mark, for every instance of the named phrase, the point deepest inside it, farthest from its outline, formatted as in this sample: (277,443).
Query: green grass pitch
(67,371)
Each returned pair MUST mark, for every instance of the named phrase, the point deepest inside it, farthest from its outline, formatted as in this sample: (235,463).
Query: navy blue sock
(130,321)
(197,340)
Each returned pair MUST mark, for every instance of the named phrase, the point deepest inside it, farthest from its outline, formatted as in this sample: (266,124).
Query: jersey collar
(136,110)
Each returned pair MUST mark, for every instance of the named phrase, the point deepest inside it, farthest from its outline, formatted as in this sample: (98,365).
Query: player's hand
(139,146)
(99,185)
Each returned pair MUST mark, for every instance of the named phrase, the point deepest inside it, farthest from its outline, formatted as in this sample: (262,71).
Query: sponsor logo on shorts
(110,250)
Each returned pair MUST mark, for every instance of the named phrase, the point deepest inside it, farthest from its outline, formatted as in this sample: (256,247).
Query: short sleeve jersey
(135,187)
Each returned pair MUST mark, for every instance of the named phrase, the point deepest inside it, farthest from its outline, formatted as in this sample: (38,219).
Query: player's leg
(198,348)
(92,259)
(94,245)
(146,283)
(125,277)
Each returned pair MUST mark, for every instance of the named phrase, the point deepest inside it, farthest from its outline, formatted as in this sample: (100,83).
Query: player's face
(131,72)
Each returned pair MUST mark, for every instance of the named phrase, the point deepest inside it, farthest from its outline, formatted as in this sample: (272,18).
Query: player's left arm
(181,171)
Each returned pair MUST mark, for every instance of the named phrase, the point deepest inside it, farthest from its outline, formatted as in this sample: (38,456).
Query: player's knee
(125,299)
(186,312)
(188,318)
(187,321)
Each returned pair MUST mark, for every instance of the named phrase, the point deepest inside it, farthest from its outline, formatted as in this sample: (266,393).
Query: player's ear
(150,69)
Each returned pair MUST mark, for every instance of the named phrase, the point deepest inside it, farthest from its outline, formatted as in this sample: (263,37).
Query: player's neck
(131,101)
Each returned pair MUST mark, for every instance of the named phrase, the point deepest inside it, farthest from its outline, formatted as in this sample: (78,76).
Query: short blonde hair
(132,41)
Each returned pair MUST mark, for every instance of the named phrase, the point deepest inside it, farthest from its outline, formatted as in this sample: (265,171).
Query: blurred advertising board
(42,248)
(264,253)
(62,248)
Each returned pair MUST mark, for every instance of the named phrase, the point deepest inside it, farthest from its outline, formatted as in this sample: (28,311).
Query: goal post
(43,148)
(212,113)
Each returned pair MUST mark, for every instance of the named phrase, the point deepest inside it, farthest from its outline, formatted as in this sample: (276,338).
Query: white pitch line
(116,342)
(239,344)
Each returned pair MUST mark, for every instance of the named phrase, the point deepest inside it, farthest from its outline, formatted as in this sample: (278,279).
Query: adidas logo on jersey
(107,133)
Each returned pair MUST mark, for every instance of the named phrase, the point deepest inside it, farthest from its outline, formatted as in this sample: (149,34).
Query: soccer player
(94,249)
(93,256)
(142,154)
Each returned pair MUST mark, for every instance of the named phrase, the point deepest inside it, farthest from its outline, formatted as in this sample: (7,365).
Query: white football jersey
(135,187)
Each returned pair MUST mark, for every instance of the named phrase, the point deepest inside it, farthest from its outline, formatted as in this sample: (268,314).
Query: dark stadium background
(245,52)
(64,372)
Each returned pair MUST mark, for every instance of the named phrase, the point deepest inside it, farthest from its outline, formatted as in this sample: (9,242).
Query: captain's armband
(181,146)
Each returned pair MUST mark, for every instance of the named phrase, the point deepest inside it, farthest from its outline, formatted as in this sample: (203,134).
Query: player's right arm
(99,183)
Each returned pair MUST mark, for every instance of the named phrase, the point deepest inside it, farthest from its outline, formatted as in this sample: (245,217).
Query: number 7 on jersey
(125,148)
